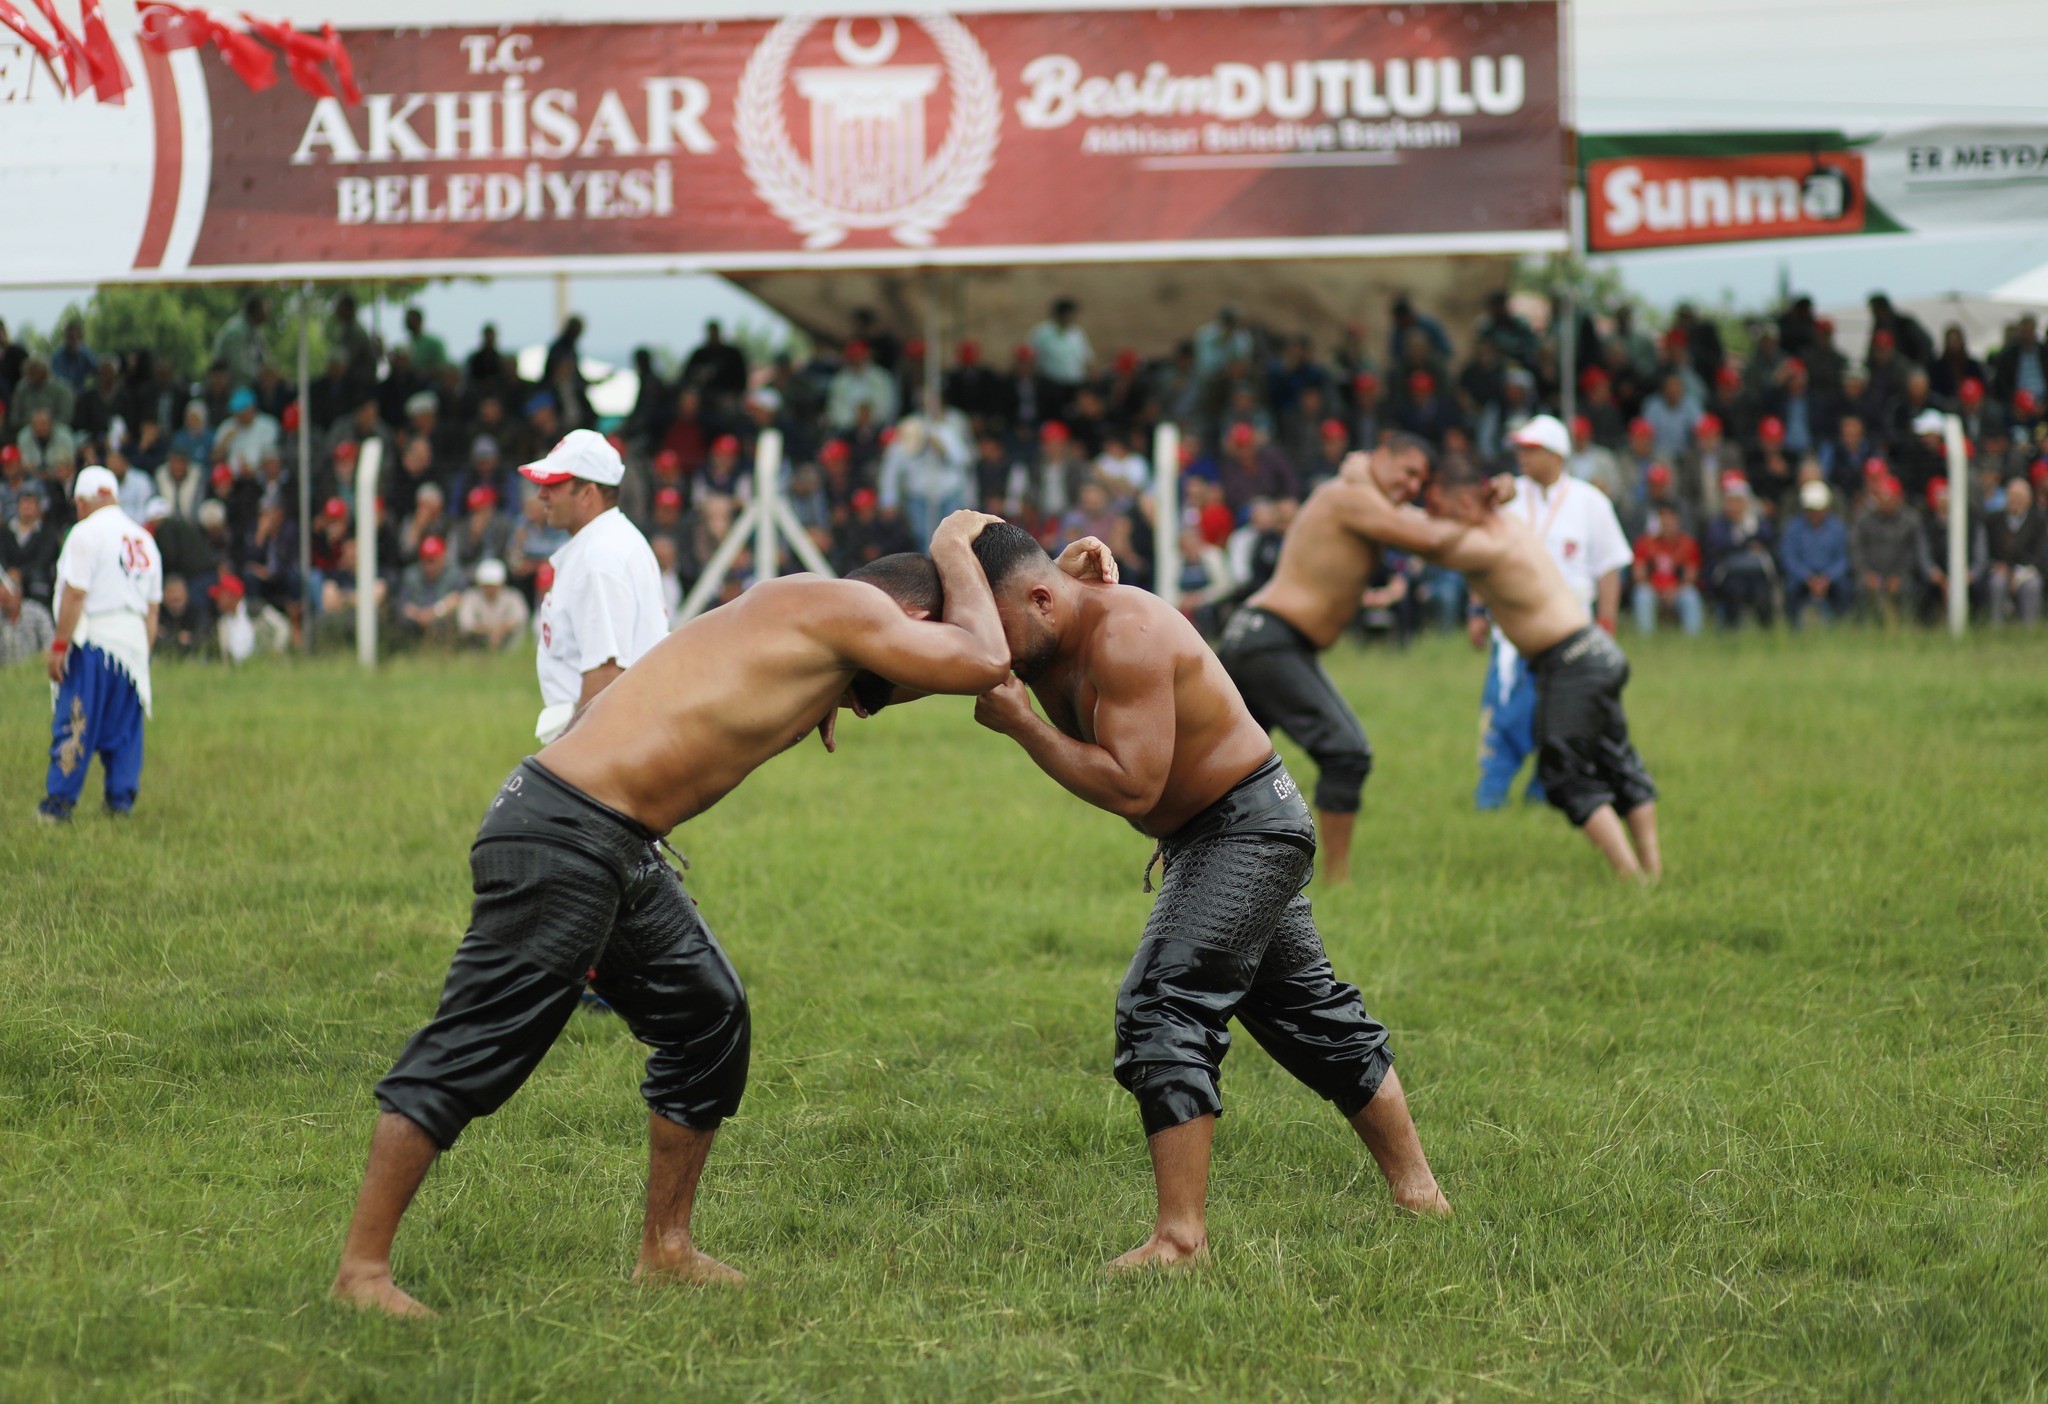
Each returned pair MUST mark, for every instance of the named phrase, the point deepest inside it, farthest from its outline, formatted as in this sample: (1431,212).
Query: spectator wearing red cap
(1667,574)
(866,535)
(1251,467)
(485,532)
(429,594)
(606,608)
(724,474)
(973,387)
(2016,535)
(859,384)
(2021,364)
(1425,409)
(1884,551)
(1700,470)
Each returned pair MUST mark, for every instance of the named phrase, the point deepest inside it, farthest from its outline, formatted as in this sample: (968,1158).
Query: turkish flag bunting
(109,77)
(344,67)
(77,66)
(168,28)
(305,53)
(14,19)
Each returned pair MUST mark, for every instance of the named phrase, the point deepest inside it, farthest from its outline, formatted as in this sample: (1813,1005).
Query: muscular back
(1512,571)
(1323,569)
(1143,651)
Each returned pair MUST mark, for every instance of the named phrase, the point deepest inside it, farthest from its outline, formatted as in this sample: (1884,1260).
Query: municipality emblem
(871,163)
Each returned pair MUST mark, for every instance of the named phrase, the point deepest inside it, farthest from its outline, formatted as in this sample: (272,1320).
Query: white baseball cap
(1928,421)
(1545,431)
(490,572)
(1814,496)
(582,453)
(94,481)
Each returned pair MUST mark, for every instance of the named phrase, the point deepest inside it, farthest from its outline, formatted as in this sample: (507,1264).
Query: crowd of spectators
(1799,479)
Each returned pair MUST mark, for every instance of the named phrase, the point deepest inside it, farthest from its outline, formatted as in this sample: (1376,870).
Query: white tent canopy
(1982,318)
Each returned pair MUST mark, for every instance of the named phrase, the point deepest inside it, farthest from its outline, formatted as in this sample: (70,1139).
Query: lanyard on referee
(1556,506)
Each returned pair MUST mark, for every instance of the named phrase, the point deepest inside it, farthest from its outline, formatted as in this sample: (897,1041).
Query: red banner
(1649,202)
(985,139)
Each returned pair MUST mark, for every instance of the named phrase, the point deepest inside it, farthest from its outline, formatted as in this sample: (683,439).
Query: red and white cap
(582,453)
(1545,431)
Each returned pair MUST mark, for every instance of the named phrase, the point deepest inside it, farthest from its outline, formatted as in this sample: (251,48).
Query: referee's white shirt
(606,605)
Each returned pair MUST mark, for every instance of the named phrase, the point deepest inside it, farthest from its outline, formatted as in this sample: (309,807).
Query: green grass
(1776,1129)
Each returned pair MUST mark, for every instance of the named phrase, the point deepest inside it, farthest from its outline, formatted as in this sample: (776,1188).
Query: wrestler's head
(910,579)
(1460,490)
(1398,467)
(1027,588)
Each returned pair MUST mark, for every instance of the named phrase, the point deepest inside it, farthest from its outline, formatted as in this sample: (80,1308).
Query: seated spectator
(239,630)
(1814,552)
(2016,536)
(43,443)
(28,549)
(429,594)
(1884,548)
(1093,514)
(490,616)
(14,481)
(339,589)
(247,436)
(1741,571)
(1121,468)
(531,543)
(1253,550)
(38,390)
(427,522)
(26,628)
(485,533)
(859,383)
(192,438)
(1205,579)
(1668,574)
(926,475)
(1934,555)
(183,626)
(1251,467)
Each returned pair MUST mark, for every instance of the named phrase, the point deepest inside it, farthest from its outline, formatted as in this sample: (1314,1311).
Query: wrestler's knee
(697,1069)
(1354,1091)
(1169,1094)
(1341,773)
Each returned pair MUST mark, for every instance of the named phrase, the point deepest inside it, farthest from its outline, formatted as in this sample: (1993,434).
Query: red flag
(344,67)
(109,77)
(15,20)
(250,60)
(77,66)
(167,28)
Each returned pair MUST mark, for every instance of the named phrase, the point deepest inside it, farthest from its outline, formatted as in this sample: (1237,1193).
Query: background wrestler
(1271,645)
(1145,724)
(1588,766)
(568,878)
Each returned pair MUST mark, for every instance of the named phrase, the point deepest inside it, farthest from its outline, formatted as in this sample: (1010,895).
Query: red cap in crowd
(346,451)
(887,436)
(2039,472)
(1709,426)
(1883,337)
(864,498)
(1674,340)
(856,350)
(289,420)
(1873,469)
(1971,392)
(1795,367)
(1582,427)
(1421,383)
(1728,378)
(228,587)
(2023,403)
(669,499)
(544,578)
(1025,354)
(1659,475)
(1216,523)
(1825,326)
(668,463)
(9,454)
(969,353)
(1126,361)
(618,444)
(481,497)
(1937,493)
(335,510)
(725,443)
(1733,482)
(1885,485)
(1592,376)
(1334,429)
(1639,428)
(433,548)
(1771,430)
(1053,432)
(1241,435)
(834,451)
(1366,384)
(1187,453)
(223,476)
(914,349)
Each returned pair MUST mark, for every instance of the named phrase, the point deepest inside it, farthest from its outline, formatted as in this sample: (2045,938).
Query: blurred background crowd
(1765,472)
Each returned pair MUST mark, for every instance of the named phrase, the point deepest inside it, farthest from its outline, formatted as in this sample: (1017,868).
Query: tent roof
(1983,319)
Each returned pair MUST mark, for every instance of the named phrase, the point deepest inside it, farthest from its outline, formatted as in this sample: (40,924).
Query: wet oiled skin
(1323,567)
(709,703)
(1512,572)
(1215,741)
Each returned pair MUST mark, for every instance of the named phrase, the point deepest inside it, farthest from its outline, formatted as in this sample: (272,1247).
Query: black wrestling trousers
(1583,753)
(1232,935)
(565,886)
(1286,688)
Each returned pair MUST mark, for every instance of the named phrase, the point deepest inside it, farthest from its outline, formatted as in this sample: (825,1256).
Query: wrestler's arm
(1126,769)
(1362,508)
(964,654)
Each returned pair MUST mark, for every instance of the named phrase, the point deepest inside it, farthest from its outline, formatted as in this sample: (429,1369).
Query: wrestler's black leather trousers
(565,887)
(1232,935)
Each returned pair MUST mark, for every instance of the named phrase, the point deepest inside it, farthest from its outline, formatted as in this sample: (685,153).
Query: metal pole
(305,467)
(934,346)
(767,479)
(1166,513)
(1568,334)
(368,464)
(1958,524)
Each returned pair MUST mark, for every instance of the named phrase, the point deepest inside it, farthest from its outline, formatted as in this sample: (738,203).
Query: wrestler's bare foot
(1423,1198)
(684,1265)
(1165,1248)
(371,1288)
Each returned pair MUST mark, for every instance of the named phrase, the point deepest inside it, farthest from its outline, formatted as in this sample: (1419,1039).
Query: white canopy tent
(1982,318)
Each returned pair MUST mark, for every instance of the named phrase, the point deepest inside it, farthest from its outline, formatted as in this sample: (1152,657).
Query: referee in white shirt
(110,582)
(605,608)
(1577,523)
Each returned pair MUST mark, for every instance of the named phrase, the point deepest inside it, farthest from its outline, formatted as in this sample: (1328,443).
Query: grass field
(1776,1129)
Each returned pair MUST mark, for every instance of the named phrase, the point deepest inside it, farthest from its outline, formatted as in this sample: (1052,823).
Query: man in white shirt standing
(1577,522)
(110,582)
(605,608)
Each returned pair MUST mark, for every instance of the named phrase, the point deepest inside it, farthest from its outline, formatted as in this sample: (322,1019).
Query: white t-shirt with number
(605,606)
(114,562)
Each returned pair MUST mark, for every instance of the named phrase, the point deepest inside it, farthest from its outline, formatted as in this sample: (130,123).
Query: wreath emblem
(802,192)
